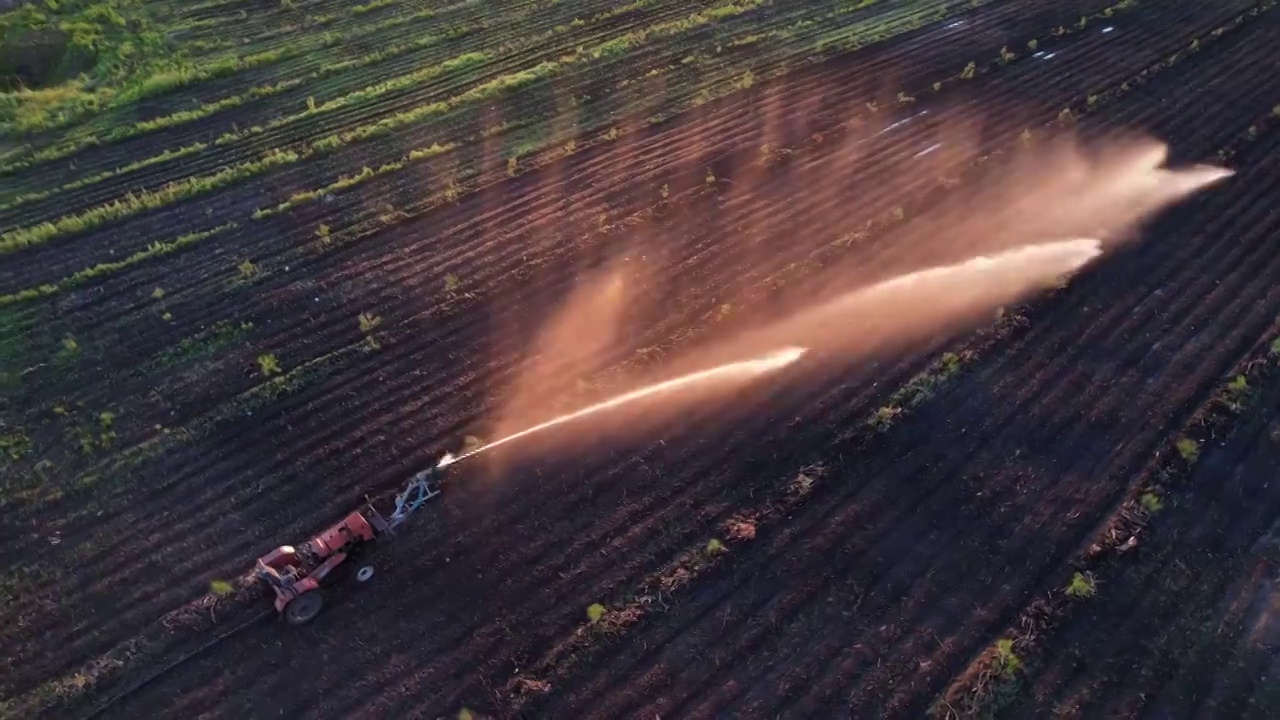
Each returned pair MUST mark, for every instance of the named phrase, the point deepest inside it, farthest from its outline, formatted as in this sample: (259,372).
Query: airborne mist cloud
(1020,230)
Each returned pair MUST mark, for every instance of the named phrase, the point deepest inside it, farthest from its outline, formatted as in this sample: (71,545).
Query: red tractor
(295,574)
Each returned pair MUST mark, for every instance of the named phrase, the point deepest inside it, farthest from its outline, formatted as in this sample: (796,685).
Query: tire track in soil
(1251,692)
(1027,341)
(1180,605)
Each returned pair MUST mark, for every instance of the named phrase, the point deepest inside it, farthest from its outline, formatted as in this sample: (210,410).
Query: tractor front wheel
(304,608)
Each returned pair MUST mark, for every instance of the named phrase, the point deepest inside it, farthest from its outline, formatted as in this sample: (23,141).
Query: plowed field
(235,306)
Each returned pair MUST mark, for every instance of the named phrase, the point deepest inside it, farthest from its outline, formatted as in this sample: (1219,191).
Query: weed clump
(1007,662)
(1189,449)
(1082,586)
(268,365)
(1151,503)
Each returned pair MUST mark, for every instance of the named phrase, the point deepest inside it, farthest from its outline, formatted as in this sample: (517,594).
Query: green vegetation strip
(154,250)
(165,156)
(132,204)
(153,647)
(200,346)
(349,181)
(364,95)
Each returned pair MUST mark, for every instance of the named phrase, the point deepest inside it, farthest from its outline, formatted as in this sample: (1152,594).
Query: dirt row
(414,604)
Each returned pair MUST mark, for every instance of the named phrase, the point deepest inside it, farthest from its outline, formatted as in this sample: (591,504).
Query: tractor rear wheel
(304,608)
